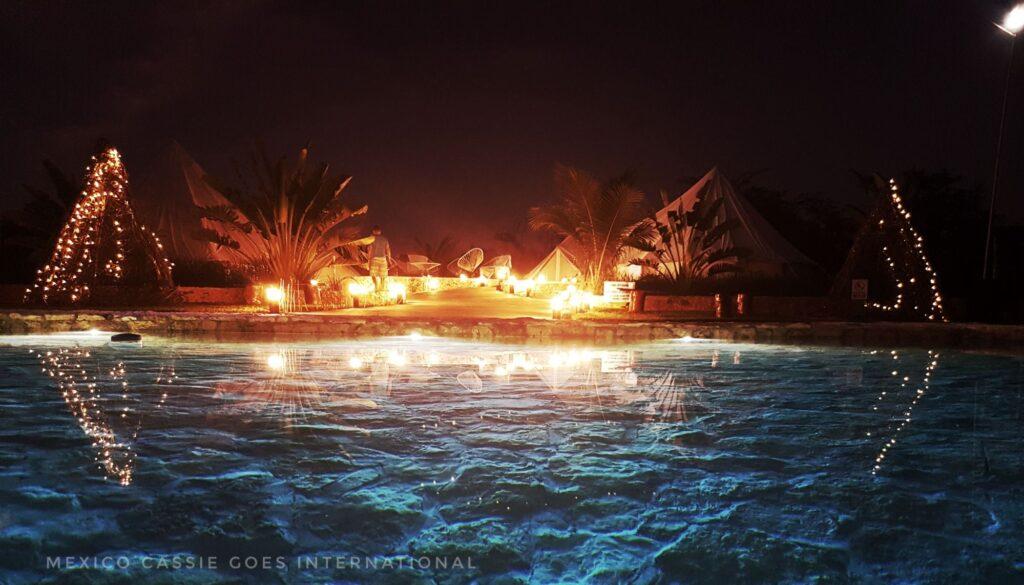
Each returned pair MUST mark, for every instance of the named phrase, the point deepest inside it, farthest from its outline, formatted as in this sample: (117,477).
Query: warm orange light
(275,362)
(273,294)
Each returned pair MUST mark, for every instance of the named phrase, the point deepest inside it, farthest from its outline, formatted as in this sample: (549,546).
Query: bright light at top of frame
(1014,21)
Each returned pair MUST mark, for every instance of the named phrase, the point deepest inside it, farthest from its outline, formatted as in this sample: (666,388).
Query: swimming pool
(428,460)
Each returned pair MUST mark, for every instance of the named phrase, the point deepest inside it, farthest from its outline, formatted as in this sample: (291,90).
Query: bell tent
(768,253)
(558,264)
(170,198)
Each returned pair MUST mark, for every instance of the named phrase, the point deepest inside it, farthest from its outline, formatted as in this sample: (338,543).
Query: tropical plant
(29,234)
(601,218)
(689,246)
(514,237)
(527,247)
(286,221)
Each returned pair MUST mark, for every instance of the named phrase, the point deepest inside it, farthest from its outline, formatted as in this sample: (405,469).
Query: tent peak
(768,250)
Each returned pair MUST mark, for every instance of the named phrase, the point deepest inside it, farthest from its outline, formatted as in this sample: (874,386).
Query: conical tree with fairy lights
(102,251)
(890,254)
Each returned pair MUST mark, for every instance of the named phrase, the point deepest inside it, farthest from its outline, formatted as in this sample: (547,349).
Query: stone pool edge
(320,326)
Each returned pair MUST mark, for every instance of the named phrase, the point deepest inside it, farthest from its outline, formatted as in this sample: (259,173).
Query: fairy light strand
(906,416)
(102,213)
(904,276)
(82,395)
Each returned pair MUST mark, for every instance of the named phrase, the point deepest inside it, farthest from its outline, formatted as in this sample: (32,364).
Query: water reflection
(902,399)
(294,383)
(103,403)
(289,385)
(569,461)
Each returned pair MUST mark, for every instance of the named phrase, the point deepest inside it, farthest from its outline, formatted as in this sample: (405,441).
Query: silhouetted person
(379,254)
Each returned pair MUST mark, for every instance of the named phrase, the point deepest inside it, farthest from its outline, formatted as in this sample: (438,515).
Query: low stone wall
(796,308)
(265,326)
(208,295)
(756,308)
(12,295)
(694,307)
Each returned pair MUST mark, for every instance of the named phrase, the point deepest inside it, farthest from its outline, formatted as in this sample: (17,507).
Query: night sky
(451,116)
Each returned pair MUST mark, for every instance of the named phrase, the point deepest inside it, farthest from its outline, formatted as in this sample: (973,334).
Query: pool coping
(525,329)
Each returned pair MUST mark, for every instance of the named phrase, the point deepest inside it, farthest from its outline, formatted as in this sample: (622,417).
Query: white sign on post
(859,289)
(617,291)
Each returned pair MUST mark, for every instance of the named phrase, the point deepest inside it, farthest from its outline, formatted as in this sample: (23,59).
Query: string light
(905,277)
(906,416)
(92,246)
(81,394)
(94,408)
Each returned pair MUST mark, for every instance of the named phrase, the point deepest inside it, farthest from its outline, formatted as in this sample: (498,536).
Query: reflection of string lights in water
(82,395)
(906,415)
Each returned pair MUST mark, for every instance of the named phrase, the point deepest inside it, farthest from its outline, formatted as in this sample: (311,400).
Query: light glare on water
(698,462)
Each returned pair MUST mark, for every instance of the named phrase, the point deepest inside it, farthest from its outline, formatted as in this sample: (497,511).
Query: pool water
(425,460)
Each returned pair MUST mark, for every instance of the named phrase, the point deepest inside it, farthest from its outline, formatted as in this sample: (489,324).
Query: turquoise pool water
(426,460)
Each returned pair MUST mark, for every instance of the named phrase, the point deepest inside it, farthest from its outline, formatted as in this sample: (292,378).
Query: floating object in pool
(126,337)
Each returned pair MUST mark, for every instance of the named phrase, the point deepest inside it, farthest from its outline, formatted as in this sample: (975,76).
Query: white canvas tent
(339,272)
(558,264)
(169,196)
(164,203)
(769,253)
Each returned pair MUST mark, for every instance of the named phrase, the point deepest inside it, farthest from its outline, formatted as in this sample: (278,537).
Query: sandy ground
(485,303)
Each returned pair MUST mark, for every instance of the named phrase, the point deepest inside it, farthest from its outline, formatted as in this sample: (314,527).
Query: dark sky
(451,116)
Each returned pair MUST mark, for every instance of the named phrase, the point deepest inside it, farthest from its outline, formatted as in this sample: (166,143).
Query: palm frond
(292,216)
(215,237)
(723,268)
(600,217)
(718,233)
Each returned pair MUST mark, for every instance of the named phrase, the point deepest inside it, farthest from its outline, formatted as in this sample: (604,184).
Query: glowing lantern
(274,296)
(557,305)
(396,292)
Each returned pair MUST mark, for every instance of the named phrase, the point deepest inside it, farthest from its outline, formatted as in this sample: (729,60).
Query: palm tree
(601,218)
(691,245)
(291,218)
(37,224)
